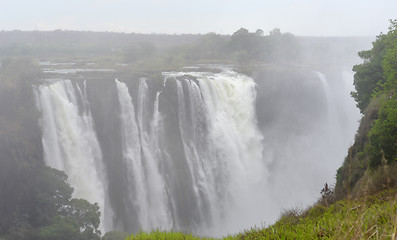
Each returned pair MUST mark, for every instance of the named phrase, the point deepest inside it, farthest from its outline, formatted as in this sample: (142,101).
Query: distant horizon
(303,18)
(181,34)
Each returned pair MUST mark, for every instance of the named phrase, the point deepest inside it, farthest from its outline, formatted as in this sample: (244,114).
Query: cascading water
(194,154)
(222,144)
(338,122)
(221,152)
(333,125)
(147,195)
(70,143)
(328,93)
(132,157)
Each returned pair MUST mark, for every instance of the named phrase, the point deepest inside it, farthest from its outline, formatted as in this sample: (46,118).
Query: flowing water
(208,153)
(70,143)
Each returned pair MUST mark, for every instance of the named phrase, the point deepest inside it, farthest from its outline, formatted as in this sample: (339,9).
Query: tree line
(159,50)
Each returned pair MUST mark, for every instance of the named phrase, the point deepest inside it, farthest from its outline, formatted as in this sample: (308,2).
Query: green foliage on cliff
(383,135)
(378,72)
(369,75)
(376,140)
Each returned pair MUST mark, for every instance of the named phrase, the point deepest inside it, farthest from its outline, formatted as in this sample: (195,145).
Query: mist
(194,153)
(213,130)
(176,144)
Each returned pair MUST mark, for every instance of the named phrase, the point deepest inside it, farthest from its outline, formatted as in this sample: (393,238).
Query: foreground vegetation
(373,217)
(370,217)
(376,140)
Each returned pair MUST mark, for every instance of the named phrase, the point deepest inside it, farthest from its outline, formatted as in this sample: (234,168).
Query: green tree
(379,67)
(51,195)
(389,62)
(375,81)
(245,46)
(61,228)
(369,74)
(383,135)
(210,46)
(86,215)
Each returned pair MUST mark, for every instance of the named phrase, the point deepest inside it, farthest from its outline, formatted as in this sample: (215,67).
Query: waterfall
(328,95)
(235,167)
(70,143)
(221,164)
(147,194)
(191,119)
(334,124)
(199,152)
(148,127)
(132,157)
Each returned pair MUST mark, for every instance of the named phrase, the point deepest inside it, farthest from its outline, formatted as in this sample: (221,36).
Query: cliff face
(370,165)
(356,162)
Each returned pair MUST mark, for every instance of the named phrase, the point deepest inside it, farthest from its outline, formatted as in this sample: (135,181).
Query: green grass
(371,217)
(163,235)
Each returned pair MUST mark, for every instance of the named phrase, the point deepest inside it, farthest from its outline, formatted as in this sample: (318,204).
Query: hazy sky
(300,17)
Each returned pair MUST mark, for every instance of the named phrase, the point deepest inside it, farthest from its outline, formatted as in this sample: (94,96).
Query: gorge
(209,152)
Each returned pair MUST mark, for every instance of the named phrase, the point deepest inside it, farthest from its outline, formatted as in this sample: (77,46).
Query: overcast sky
(300,17)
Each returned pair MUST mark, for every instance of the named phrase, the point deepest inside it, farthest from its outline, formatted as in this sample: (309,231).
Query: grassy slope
(371,217)
(161,235)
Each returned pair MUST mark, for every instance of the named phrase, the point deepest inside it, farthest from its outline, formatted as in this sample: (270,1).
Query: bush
(115,235)
(383,135)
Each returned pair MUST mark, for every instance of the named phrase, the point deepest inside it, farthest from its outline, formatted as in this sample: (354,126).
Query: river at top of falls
(189,155)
